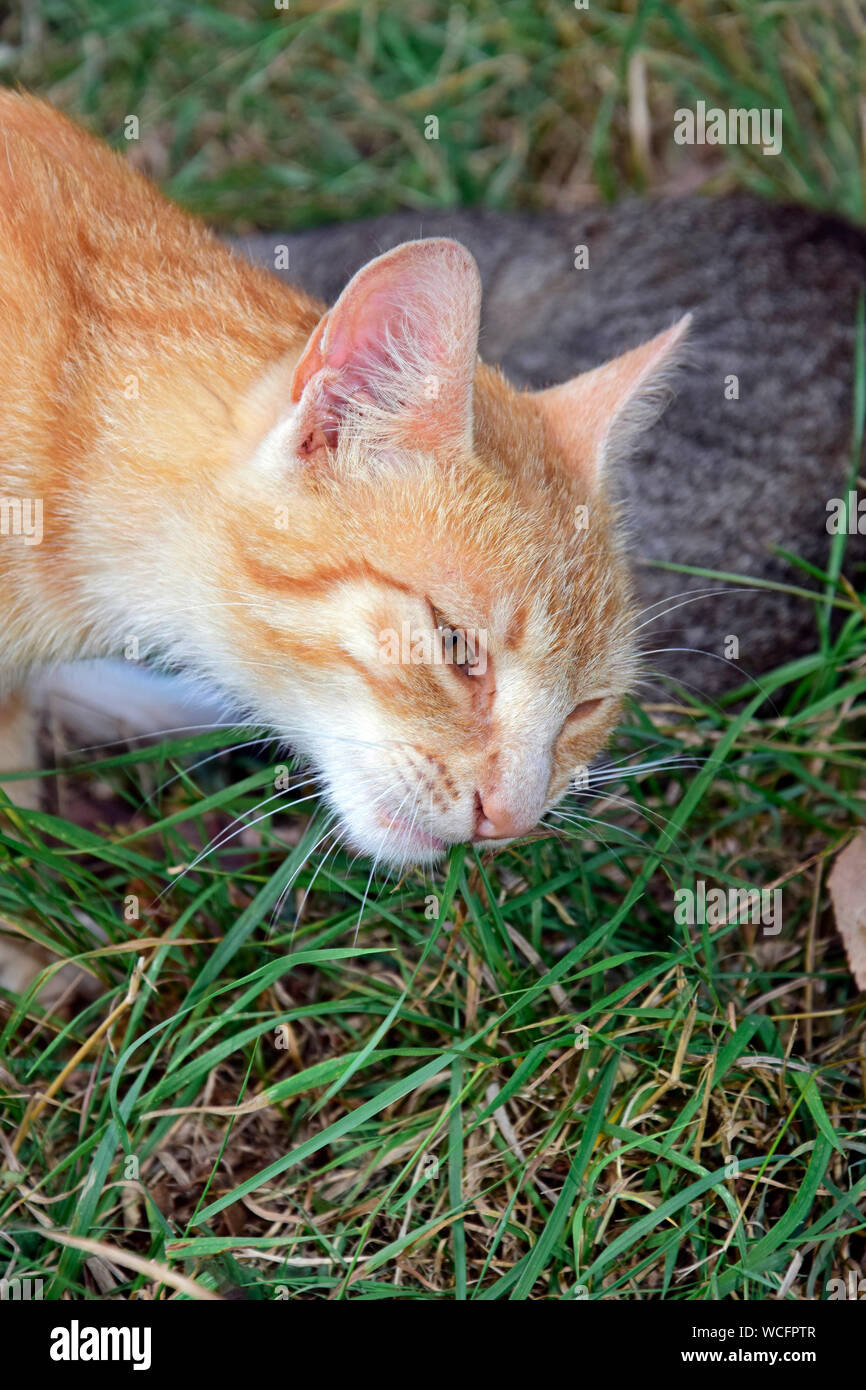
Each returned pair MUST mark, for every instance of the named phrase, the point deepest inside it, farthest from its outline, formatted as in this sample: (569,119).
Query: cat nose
(495,821)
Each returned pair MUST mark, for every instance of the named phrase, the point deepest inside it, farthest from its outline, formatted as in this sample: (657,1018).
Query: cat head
(438,615)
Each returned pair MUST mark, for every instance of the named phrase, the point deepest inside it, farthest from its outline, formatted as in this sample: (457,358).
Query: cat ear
(396,354)
(595,416)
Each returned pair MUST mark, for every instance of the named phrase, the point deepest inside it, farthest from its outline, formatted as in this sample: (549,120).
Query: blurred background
(287,113)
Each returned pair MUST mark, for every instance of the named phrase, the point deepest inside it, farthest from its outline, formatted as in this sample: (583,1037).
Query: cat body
(233,480)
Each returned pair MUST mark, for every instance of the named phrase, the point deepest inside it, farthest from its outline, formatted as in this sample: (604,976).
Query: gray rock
(716,483)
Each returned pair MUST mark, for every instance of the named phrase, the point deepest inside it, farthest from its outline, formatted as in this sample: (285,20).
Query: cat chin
(396,849)
(402,851)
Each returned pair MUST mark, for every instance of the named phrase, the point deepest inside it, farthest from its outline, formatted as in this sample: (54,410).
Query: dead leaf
(847,884)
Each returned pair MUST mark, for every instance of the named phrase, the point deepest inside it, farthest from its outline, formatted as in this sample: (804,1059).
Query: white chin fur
(387,848)
(100,702)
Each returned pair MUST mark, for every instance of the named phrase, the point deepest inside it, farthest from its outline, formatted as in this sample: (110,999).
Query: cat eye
(458,648)
(585,708)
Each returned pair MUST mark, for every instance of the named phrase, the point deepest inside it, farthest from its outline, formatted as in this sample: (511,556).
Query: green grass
(257,117)
(538,1088)
(522,1078)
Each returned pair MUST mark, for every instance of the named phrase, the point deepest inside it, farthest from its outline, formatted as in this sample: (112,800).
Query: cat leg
(89,704)
(86,705)
(18,751)
(20,960)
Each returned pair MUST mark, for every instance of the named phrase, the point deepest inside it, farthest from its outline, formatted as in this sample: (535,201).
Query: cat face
(440,617)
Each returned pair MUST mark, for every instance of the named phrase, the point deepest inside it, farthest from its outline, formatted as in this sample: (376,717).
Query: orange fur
(256,493)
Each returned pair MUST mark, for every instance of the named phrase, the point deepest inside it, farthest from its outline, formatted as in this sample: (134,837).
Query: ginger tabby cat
(259,490)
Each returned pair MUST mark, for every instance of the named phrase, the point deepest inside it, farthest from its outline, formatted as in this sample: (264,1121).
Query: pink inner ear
(359,334)
(310,361)
(589,413)
(417,304)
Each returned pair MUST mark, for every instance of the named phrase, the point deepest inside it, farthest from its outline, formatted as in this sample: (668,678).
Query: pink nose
(495,821)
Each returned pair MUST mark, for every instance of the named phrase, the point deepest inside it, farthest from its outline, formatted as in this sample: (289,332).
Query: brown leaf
(847,884)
